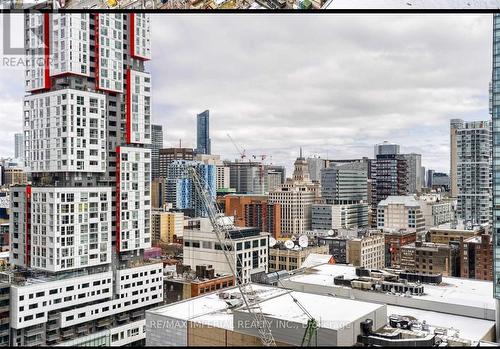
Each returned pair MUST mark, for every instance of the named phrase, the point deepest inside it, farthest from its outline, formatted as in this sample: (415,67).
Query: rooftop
(454,291)
(400,200)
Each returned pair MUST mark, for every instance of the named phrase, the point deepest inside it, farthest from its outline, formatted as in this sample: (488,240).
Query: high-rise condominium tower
(80,230)
(495,113)
(156,145)
(19,146)
(473,171)
(203,133)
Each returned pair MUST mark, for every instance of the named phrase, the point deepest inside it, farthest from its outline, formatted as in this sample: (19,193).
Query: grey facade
(156,145)
(414,162)
(344,184)
(19,146)
(203,144)
(474,171)
(495,113)
(386,148)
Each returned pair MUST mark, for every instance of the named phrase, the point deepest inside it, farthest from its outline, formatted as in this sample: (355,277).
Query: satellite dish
(289,244)
(330,232)
(272,241)
(303,241)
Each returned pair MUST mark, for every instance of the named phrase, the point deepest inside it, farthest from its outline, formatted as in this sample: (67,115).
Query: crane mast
(223,236)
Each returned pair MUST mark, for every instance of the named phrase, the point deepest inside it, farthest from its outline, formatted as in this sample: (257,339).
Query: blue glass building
(203,145)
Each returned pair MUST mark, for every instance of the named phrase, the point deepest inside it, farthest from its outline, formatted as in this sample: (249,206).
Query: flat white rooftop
(412,4)
(209,309)
(330,312)
(454,292)
(468,328)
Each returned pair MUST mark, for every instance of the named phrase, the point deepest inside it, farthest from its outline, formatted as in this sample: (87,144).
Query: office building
(394,241)
(339,216)
(19,147)
(247,245)
(389,174)
(455,231)
(427,258)
(476,255)
(414,162)
(441,182)
(430,177)
(79,231)
(436,209)
(203,141)
(156,145)
(247,177)
(14,176)
(166,226)
(367,252)
(385,148)
(222,180)
(315,165)
(423,177)
(296,198)
(400,213)
(167,155)
(180,190)
(253,211)
(281,258)
(474,171)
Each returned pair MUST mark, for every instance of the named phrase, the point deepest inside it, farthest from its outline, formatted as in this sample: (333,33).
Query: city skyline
(233,80)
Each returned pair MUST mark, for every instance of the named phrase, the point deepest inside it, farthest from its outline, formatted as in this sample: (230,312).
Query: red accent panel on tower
(96,49)
(27,252)
(46,53)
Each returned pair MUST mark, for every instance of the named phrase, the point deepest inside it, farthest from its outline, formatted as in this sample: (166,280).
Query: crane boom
(223,235)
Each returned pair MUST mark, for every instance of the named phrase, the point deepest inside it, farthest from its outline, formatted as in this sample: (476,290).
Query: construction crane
(223,236)
(241,152)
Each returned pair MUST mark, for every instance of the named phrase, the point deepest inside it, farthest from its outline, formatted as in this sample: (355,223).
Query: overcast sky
(333,84)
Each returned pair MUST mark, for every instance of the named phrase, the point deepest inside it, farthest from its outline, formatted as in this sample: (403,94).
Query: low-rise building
(368,251)
(476,256)
(337,216)
(400,212)
(448,232)
(248,248)
(427,258)
(166,226)
(187,283)
(253,211)
(436,210)
(222,319)
(281,258)
(337,247)
(394,241)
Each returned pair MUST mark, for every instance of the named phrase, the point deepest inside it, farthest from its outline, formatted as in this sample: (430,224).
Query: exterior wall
(296,204)
(476,255)
(343,185)
(291,259)
(134,199)
(474,172)
(445,236)
(397,216)
(75,141)
(71,228)
(346,216)
(393,244)
(140,42)
(368,252)
(109,69)
(138,106)
(166,225)
(427,258)
(201,247)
